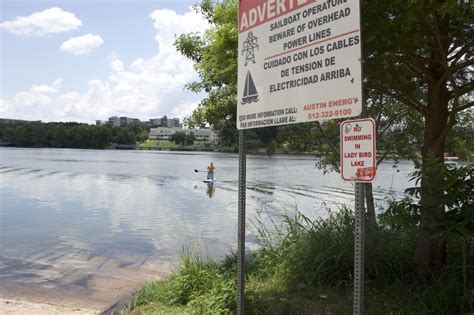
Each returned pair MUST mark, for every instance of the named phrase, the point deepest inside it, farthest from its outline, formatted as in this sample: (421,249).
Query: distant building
(127,120)
(205,135)
(165,122)
(154,122)
(121,121)
(114,121)
(397,128)
(164,133)
(174,123)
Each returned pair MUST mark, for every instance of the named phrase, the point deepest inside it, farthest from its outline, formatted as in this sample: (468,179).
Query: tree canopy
(421,54)
(215,59)
(72,135)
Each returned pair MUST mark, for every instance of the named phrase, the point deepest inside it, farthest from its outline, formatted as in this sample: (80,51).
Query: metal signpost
(299,61)
(358,164)
(359,244)
(241,224)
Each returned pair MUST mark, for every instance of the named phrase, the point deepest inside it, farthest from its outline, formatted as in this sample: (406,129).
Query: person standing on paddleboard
(210,171)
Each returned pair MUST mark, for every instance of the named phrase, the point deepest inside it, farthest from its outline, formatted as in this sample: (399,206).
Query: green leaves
(215,59)
(72,135)
(190,45)
(458,197)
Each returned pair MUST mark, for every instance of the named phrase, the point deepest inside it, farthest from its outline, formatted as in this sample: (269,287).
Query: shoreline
(102,288)
(14,306)
(257,152)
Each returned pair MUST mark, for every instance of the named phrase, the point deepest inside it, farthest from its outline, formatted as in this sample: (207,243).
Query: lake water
(87,227)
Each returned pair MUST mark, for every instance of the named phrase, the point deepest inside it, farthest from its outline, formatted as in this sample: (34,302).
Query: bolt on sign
(299,61)
(358,150)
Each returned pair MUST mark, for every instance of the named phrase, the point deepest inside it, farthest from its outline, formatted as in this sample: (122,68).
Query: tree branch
(389,124)
(424,71)
(464,64)
(379,114)
(416,105)
(464,107)
(464,50)
(466,88)
(442,46)
(326,139)
(383,157)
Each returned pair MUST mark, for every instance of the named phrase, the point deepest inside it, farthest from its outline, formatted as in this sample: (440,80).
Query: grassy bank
(306,267)
(169,145)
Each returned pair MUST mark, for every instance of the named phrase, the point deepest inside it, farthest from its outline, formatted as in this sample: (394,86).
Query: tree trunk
(430,255)
(369,200)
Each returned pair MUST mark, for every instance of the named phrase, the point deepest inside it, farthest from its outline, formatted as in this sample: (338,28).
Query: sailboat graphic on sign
(250,91)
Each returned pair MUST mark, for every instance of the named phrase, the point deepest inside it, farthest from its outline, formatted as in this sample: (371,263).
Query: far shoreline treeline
(71,135)
(289,139)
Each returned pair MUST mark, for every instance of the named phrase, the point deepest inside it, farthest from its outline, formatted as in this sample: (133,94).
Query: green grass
(197,287)
(161,144)
(171,145)
(306,267)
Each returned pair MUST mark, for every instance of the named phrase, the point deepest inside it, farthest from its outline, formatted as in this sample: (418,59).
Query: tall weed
(320,252)
(305,266)
(199,285)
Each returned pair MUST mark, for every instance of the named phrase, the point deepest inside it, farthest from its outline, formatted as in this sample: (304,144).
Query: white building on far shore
(205,135)
(164,133)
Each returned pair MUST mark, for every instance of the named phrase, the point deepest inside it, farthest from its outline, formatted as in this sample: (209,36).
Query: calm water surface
(93,225)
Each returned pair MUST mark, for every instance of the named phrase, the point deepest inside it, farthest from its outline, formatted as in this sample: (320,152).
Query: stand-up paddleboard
(210,181)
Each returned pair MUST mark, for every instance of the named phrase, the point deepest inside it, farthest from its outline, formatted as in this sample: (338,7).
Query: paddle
(199,171)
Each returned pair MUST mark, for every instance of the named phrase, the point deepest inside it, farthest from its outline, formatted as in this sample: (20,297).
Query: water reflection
(210,189)
(77,218)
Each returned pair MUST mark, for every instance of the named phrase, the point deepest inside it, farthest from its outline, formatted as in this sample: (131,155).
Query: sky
(87,60)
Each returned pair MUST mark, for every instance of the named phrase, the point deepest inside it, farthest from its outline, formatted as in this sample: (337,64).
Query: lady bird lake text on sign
(358,150)
(299,61)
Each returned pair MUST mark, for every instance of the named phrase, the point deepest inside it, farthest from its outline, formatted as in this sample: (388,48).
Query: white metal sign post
(299,61)
(358,164)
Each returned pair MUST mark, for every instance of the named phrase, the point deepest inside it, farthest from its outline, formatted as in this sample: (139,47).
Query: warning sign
(299,61)
(358,150)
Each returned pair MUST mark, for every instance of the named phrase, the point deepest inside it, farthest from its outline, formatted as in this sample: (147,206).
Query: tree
(215,59)
(417,60)
(305,141)
(228,134)
(139,129)
(421,53)
(189,139)
(66,135)
(178,137)
(123,136)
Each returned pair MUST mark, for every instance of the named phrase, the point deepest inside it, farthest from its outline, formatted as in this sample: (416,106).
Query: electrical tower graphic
(249,48)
